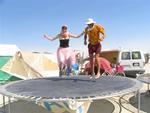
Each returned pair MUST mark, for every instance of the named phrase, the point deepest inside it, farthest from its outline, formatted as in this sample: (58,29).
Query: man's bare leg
(98,66)
(92,66)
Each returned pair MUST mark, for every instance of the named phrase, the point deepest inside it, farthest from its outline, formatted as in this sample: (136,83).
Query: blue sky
(23,22)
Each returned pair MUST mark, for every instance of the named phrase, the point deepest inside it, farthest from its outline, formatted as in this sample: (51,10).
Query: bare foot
(91,76)
(97,76)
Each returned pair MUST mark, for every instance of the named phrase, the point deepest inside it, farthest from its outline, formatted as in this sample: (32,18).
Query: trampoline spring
(92,96)
(44,98)
(60,98)
(77,97)
(27,96)
(65,98)
(54,98)
(24,96)
(72,98)
(33,97)
(38,99)
(84,97)
(20,95)
(89,99)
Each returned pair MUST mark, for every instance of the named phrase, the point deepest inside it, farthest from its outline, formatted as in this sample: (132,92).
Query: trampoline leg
(139,101)
(9,105)
(4,105)
(86,106)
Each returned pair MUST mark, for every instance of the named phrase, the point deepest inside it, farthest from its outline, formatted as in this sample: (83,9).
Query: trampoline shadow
(101,106)
(145,100)
(25,107)
(98,106)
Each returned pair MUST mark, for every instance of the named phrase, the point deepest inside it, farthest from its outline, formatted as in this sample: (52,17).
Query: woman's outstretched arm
(51,38)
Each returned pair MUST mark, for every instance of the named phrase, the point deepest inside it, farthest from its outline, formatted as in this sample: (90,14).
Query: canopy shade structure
(5,77)
(4,60)
(7,51)
(27,65)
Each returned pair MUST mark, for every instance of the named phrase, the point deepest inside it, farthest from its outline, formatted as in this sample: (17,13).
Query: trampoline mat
(77,87)
(145,78)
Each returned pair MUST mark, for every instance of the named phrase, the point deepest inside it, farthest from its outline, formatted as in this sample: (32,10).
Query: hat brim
(89,23)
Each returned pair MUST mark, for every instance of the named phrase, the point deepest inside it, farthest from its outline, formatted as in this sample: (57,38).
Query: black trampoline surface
(73,88)
(144,78)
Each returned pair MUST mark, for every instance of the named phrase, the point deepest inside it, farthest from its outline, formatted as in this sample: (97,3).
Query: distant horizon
(54,52)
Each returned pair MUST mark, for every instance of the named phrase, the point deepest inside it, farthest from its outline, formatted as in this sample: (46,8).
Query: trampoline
(77,88)
(146,79)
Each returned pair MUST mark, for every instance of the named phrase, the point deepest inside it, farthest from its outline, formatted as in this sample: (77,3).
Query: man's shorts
(94,48)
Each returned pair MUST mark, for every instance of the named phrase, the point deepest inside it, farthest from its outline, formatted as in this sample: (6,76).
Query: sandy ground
(125,104)
(147,68)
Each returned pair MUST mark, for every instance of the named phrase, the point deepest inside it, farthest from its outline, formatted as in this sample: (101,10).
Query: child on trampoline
(65,56)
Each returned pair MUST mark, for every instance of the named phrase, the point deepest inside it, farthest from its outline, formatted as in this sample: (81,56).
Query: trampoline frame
(140,78)
(135,89)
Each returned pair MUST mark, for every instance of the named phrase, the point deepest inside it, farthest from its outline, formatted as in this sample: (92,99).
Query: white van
(133,61)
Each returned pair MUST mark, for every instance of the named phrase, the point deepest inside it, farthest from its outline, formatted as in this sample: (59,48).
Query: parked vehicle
(132,61)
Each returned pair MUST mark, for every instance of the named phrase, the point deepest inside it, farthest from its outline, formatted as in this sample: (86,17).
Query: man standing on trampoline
(96,34)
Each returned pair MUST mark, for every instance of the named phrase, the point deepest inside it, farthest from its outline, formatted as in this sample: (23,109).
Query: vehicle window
(136,55)
(125,56)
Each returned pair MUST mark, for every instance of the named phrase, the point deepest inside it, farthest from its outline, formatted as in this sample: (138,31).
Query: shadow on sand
(98,106)
(145,102)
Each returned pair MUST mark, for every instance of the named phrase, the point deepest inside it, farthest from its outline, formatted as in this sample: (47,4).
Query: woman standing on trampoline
(65,56)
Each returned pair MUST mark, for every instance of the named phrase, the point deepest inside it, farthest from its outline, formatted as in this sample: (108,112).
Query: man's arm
(102,33)
(85,38)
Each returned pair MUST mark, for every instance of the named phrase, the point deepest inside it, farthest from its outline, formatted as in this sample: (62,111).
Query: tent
(5,55)
(28,65)
(105,65)
(5,77)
